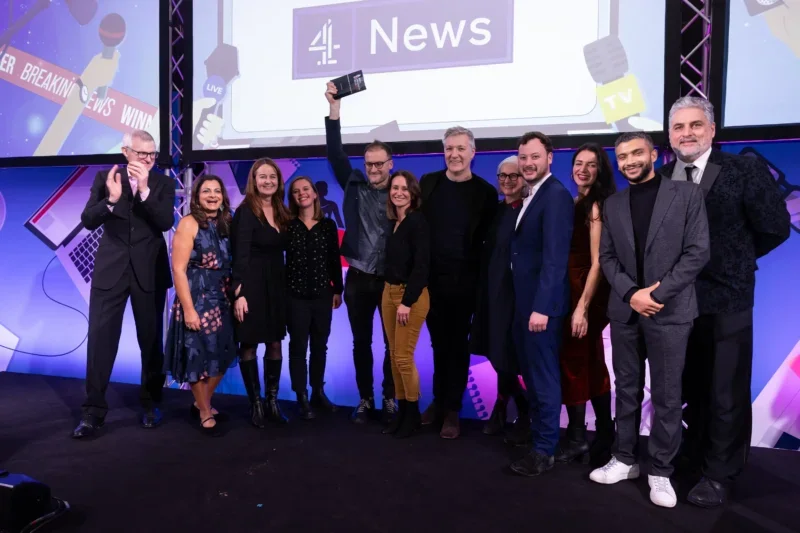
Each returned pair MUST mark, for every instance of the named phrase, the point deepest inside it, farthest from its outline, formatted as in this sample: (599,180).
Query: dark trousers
(362,295)
(309,320)
(664,348)
(106,310)
(716,388)
(508,385)
(449,321)
(538,356)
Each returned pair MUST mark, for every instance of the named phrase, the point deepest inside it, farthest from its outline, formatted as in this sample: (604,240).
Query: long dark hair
(199,214)
(252,200)
(413,190)
(603,186)
(294,209)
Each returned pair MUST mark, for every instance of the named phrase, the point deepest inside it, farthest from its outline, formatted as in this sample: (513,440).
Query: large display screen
(76,75)
(499,67)
(762,76)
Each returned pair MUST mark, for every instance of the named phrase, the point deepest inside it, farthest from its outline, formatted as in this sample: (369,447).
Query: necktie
(689,169)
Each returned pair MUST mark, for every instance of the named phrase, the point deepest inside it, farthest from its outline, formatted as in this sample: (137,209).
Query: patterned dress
(211,350)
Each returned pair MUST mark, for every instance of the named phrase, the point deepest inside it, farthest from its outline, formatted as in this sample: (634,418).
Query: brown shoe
(450,428)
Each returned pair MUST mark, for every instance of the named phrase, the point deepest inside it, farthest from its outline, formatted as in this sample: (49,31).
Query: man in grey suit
(654,244)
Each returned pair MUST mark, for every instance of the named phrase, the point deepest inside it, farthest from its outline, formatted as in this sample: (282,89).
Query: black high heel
(212,431)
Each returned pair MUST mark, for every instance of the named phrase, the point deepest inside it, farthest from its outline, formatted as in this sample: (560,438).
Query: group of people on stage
(530,282)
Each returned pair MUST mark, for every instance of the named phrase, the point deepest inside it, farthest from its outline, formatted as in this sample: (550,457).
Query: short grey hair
(142,135)
(510,160)
(695,102)
(459,130)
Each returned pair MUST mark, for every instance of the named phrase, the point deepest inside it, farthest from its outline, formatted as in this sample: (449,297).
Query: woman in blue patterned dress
(200,342)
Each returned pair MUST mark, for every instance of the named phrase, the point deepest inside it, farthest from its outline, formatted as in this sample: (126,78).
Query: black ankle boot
(272,379)
(321,401)
(252,385)
(497,422)
(306,413)
(574,445)
(394,425)
(410,422)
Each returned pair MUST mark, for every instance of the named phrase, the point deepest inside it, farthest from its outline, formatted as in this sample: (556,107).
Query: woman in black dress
(259,284)
(314,270)
(200,345)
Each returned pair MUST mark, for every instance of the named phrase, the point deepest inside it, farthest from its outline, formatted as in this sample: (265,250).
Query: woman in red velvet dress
(584,376)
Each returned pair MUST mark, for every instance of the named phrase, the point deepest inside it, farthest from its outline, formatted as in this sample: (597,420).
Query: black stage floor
(328,475)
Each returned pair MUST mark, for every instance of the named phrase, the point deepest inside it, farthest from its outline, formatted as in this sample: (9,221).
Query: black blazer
(482,211)
(133,232)
(747,218)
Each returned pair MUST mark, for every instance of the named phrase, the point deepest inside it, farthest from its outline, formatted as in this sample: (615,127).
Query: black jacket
(133,232)
(747,218)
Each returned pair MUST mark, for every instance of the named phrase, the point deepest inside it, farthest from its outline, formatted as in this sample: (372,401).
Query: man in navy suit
(539,256)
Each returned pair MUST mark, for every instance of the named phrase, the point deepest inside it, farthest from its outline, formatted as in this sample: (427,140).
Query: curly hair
(603,186)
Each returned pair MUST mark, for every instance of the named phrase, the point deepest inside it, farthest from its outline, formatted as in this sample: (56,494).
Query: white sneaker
(614,472)
(661,491)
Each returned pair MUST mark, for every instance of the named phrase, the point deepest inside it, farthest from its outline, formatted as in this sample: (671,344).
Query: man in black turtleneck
(654,244)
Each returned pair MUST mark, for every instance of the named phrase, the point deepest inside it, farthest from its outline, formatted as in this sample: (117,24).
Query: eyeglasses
(143,155)
(378,164)
(513,177)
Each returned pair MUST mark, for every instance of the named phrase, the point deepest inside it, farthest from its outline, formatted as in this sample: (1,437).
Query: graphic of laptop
(58,224)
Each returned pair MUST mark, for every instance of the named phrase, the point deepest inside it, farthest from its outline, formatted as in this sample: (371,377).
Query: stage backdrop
(45,293)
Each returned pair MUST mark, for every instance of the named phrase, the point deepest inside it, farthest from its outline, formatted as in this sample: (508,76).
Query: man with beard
(539,263)
(364,247)
(747,219)
(653,246)
(459,207)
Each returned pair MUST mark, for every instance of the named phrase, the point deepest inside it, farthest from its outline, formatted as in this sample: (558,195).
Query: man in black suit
(747,219)
(134,206)
(459,207)
(653,246)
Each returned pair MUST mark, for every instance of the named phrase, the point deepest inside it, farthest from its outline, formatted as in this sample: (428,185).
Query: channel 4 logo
(400,35)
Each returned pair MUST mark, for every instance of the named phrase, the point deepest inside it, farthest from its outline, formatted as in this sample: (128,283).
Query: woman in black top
(405,302)
(259,284)
(314,271)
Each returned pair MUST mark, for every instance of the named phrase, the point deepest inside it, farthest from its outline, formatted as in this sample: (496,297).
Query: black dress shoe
(708,494)
(151,418)
(87,428)
(321,401)
(194,412)
(533,464)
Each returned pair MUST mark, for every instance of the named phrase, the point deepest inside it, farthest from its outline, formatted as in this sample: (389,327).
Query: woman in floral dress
(200,342)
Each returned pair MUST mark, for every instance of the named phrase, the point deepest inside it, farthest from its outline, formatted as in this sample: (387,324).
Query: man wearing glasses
(134,207)
(366,229)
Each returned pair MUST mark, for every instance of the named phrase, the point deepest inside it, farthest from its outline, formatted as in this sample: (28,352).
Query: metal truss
(695,47)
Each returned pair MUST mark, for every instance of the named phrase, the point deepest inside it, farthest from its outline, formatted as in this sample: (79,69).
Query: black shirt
(408,256)
(450,225)
(312,259)
(643,200)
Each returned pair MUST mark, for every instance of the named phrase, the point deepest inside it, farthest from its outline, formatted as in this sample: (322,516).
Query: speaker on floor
(23,501)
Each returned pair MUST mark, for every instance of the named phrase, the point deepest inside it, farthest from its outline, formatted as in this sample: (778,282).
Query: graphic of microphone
(222,66)
(112,33)
(618,93)
(82,10)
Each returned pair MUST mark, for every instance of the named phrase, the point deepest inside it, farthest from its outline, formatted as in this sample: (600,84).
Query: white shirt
(531,194)
(679,172)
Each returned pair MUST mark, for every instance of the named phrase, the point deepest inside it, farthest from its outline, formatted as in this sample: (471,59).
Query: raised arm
(696,251)
(619,280)
(418,279)
(159,204)
(340,163)
(765,209)
(97,209)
